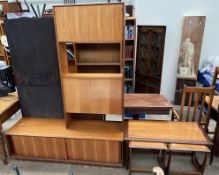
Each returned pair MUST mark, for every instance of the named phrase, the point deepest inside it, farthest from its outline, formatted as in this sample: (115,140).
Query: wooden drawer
(39,147)
(94,150)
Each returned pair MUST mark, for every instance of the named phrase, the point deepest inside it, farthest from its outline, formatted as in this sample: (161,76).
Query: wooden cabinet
(149,60)
(90,44)
(180,83)
(129,59)
(85,141)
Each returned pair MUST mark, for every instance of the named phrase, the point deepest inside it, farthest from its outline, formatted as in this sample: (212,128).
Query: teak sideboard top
(79,129)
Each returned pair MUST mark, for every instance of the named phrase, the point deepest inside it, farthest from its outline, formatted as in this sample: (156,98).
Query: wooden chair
(215,78)
(198,114)
(191,114)
(215,139)
(161,147)
(215,132)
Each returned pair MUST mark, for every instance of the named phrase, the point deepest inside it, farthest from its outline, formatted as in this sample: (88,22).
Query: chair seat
(147,145)
(187,147)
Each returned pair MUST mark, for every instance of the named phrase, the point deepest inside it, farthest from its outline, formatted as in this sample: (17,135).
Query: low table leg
(4,148)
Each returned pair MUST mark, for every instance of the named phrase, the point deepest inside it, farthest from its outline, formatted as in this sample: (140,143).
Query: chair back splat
(196,110)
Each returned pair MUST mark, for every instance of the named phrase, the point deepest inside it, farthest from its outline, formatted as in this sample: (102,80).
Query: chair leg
(213,150)
(215,140)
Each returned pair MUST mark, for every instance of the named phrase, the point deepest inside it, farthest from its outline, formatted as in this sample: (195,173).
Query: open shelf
(128,59)
(97,52)
(98,64)
(128,79)
(93,75)
(78,129)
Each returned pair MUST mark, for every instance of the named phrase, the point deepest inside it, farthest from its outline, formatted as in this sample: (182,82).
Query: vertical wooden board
(75,149)
(94,150)
(114,151)
(193,28)
(90,23)
(100,96)
(18,146)
(40,147)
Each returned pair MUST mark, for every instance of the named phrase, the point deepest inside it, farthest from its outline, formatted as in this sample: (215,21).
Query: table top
(146,101)
(8,103)
(166,132)
(215,102)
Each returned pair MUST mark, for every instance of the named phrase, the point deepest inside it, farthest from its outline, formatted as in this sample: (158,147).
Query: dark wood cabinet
(180,83)
(149,61)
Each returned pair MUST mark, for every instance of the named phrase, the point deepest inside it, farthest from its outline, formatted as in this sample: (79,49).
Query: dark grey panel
(34,58)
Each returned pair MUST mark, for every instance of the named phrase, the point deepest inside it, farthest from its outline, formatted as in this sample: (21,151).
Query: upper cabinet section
(90,23)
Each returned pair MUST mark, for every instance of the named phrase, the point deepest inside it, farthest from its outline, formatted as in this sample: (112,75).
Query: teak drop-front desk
(90,142)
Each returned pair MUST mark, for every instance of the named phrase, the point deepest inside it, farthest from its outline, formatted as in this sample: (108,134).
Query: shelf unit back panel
(90,23)
(98,69)
(98,53)
(93,95)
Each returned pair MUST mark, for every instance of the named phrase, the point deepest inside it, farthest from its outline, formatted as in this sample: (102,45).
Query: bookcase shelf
(128,79)
(129,60)
(130,39)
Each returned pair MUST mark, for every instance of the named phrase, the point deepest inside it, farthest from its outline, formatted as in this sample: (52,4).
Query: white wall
(170,13)
(50,3)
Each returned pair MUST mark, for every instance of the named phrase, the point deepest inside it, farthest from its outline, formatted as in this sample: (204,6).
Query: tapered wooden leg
(167,169)
(127,154)
(162,159)
(130,161)
(4,148)
(199,166)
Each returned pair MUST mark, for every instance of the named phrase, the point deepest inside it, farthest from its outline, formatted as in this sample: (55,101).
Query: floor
(141,159)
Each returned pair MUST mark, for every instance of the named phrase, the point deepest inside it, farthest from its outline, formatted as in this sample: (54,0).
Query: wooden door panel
(94,150)
(39,147)
(150,48)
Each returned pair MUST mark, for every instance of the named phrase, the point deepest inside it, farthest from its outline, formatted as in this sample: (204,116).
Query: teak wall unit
(129,58)
(95,87)
(92,86)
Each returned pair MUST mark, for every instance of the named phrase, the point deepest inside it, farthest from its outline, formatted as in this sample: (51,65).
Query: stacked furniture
(92,89)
